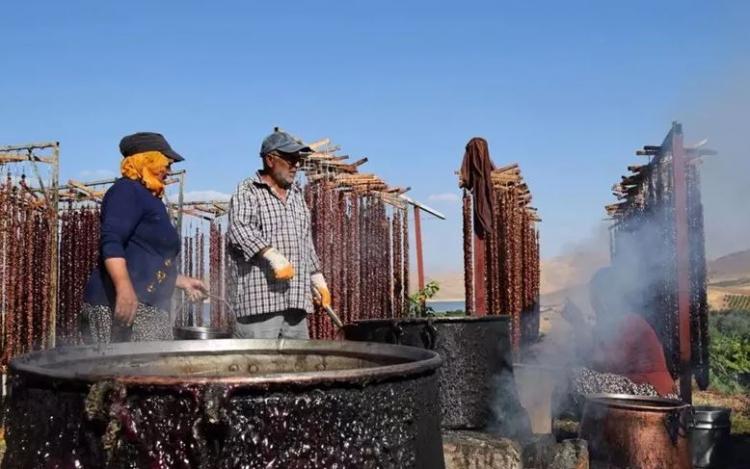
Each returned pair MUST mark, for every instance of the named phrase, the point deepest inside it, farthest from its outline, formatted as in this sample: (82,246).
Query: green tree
(418,301)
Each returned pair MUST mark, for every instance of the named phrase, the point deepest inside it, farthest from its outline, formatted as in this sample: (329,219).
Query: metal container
(642,432)
(474,350)
(710,436)
(225,403)
(200,333)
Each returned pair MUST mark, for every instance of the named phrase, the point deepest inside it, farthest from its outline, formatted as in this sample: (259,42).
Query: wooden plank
(682,245)
(319,143)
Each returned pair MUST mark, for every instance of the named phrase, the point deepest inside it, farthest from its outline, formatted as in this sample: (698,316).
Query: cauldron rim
(41,364)
(635,402)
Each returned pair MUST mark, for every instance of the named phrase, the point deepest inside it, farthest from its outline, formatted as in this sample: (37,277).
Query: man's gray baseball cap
(283,142)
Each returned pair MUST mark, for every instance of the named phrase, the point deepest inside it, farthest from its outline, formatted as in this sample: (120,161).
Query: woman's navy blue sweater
(135,226)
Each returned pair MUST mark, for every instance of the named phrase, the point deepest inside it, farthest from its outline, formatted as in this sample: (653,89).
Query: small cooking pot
(200,333)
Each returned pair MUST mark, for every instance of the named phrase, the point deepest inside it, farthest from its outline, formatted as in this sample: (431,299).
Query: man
(274,272)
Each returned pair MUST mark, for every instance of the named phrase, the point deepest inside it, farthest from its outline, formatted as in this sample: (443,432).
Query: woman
(621,341)
(127,297)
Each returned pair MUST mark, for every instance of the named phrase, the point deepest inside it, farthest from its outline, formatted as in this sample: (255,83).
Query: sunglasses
(290,160)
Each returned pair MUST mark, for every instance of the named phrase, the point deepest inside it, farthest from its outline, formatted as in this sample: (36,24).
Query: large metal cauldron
(225,404)
(625,431)
(474,351)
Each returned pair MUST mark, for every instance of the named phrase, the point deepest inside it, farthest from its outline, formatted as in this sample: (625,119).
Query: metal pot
(710,436)
(474,351)
(627,431)
(225,403)
(200,333)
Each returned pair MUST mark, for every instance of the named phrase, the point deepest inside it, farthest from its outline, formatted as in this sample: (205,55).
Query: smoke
(635,281)
(510,419)
(720,116)
(575,267)
(642,282)
(531,386)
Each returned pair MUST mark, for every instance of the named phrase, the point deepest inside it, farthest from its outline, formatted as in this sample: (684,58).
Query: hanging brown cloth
(476,176)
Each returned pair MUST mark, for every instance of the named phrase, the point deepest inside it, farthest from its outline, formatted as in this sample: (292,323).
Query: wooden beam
(679,175)
(319,143)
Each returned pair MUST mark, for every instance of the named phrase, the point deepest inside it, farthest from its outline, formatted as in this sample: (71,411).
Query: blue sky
(567,89)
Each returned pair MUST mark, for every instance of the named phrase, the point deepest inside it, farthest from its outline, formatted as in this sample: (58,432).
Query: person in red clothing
(621,341)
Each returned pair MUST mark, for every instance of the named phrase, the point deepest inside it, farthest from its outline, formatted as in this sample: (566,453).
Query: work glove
(282,268)
(321,295)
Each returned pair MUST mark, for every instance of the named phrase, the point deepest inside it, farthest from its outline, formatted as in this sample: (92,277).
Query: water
(442,306)
(439,306)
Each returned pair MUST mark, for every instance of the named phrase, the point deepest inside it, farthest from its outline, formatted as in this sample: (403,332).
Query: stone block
(475,450)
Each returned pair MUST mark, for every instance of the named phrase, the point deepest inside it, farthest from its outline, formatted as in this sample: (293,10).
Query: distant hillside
(729,280)
(557,275)
(451,284)
(730,267)
(567,276)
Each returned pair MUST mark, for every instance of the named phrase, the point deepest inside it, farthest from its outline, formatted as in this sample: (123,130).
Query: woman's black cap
(147,141)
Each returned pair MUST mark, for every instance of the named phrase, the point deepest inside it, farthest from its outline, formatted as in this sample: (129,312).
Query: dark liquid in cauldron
(390,423)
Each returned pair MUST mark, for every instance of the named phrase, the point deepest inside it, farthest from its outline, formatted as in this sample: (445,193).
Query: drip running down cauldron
(225,403)
(474,350)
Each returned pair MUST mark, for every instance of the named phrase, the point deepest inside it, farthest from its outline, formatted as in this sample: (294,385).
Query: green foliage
(418,301)
(740,423)
(731,322)
(729,350)
(455,313)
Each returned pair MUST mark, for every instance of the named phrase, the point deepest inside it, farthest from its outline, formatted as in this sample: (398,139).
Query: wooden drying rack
(325,165)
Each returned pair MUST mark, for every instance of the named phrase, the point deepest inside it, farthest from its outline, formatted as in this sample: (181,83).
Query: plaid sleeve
(244,231)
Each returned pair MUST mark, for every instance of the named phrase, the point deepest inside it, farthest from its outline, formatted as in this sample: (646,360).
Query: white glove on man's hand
(321,294)
(282,268)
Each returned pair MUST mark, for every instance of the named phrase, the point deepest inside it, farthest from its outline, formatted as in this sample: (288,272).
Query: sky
(567,89)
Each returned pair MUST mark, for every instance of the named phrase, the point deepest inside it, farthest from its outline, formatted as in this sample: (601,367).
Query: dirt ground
(739,403)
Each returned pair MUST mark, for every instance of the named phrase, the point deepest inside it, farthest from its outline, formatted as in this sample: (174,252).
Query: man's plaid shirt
(258,219)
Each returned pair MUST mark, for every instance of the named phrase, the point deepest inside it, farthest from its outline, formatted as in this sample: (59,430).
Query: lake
(441,306)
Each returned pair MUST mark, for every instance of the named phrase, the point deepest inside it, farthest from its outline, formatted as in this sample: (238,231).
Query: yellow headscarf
(143,167)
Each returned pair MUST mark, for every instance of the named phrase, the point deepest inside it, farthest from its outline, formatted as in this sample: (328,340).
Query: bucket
(710,436)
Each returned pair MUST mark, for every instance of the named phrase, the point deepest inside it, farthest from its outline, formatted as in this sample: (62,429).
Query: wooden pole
(683,261)
(418,238)
(54,219)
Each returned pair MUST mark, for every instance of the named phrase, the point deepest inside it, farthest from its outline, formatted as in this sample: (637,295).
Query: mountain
(451,284)
(567,276)
(729,280)
(730,267)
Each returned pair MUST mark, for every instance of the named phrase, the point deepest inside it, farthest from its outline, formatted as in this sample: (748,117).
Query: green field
(737,302)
